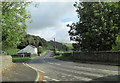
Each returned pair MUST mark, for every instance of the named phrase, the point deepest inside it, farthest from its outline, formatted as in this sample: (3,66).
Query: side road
(19,73)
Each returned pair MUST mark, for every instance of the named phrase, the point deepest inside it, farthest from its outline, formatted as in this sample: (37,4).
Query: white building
(29,49)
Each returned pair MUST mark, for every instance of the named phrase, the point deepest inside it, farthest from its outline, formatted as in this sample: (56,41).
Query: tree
(0,27)
(14,17)
(117,46)
(32,40)
(98,25)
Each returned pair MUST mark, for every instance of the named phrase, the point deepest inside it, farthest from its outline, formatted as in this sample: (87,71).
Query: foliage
(117,46)
(12,51)
(69,45)
(41,43)
(0,27)
(33,40)
(44,52)
(41,49)
(59,46)
(14,16)
(98,26)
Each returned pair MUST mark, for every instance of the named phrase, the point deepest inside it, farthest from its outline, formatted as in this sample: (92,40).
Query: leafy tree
(0,27)
(14,17)
(98,25)
(32,40)
(117,46)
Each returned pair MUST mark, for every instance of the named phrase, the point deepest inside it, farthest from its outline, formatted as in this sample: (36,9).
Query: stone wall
(6,61)
(101,56)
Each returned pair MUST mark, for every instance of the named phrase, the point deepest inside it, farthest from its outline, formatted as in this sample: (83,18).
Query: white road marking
(46,76)
(63,76)
(57,64)
(69,75)
(82,78)
(101,70)
(80,72)
(55,80)
(51,78)
(109,72)
(44,80)
(51,63)
(34,68)
(54,63)
(79,77)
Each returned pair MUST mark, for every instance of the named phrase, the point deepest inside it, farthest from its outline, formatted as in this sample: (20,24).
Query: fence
(22,55)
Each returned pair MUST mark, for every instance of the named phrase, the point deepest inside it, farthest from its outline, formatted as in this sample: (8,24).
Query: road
(57,70)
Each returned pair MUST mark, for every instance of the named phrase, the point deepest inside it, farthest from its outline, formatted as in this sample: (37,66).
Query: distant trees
(59,46)
(98,26)
(14,16)
(32,40)
(40,43)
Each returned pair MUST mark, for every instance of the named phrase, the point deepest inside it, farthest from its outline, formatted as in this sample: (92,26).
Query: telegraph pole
(54,46)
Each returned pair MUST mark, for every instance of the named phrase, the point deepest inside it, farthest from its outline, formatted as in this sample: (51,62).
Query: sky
(50,20)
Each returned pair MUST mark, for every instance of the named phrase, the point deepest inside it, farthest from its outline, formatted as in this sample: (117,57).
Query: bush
(12,51)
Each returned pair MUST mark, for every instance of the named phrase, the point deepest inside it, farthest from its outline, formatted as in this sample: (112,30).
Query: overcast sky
(50,20)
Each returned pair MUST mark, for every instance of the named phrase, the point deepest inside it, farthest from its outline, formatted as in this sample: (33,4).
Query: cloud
(60,33)
(50,18)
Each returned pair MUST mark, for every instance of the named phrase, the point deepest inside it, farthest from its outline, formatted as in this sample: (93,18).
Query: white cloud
(47,20)
(46,33)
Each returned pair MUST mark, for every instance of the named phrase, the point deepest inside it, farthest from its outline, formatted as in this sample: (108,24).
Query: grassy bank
(70,51)
(19,59)
(43,53)
(64,58)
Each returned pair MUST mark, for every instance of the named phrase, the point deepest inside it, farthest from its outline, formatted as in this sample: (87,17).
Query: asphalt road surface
(57,70)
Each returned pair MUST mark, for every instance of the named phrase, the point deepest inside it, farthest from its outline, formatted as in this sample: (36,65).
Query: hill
(69,45)
(32,40)
(42,44)
(59,46)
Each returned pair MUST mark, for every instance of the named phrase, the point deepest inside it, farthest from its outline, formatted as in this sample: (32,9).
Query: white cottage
(29,49)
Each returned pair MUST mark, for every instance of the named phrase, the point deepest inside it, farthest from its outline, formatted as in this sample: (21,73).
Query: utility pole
(54,46)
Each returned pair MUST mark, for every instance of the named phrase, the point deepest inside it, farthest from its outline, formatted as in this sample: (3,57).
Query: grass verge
(64,58)
(20,59)
(70,51)
(34,57)
(43,53)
